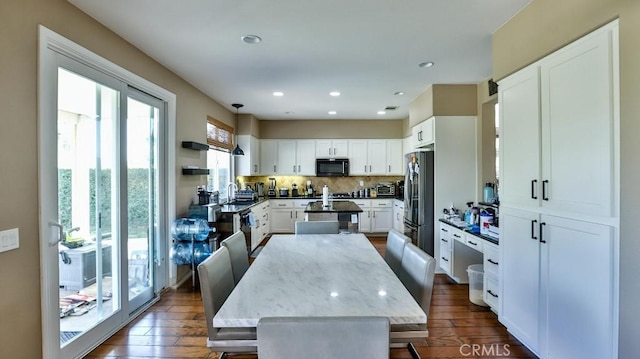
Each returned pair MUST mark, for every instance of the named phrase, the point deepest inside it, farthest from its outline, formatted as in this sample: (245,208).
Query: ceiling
(365,49)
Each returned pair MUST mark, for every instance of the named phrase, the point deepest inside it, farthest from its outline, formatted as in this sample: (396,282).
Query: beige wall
(444,100)
(545,26)
(20,329)
(332,129)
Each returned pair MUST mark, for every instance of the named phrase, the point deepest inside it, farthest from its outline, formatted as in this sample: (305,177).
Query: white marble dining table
(318,275)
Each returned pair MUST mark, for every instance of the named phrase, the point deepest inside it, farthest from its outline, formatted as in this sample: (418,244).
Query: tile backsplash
(335,184)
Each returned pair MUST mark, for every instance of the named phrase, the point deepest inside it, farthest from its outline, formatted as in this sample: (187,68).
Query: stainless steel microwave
(332,167)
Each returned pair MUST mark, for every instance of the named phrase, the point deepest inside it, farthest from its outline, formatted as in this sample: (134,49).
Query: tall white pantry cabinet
(559,193)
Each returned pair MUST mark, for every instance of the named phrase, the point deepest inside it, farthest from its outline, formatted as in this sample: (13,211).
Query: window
(220,140)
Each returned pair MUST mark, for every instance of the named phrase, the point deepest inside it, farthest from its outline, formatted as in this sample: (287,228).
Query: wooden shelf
(196,146)
(195,171)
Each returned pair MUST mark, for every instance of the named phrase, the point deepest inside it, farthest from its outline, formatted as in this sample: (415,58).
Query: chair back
(317,227)
(323,337)
(216,283)
(237,247)
(393,252)
(418,270)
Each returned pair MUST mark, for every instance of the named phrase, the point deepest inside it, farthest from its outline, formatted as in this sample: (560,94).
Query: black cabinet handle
(444,230)
(533,229)
(445,259)
(544,190)
(457,236)
(533,189)
(491,261)
(444,240)
(473,243)
(491,293)
(542,224)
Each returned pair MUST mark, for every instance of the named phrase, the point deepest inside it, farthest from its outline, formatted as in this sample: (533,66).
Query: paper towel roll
(325,196)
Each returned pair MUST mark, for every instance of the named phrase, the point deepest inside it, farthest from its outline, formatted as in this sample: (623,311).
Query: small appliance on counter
(309,189)
(294,190)
(284,192)
(400,186)
(385,189)
(272,187)
(259,188)
(246,195)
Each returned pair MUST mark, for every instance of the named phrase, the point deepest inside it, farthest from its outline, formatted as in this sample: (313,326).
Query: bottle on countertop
(468,214)
(488,193)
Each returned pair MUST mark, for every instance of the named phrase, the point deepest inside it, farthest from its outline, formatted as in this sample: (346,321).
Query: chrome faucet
(231,195)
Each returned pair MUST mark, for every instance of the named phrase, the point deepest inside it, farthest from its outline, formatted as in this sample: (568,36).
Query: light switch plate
(9,239)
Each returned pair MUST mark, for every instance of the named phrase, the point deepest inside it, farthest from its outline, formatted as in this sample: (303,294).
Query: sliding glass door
(102,187)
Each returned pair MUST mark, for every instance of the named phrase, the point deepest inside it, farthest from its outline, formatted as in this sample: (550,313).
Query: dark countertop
(466,229)
(240,206)
(337,207)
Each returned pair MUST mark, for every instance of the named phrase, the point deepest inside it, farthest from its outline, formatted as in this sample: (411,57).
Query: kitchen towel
(325,196)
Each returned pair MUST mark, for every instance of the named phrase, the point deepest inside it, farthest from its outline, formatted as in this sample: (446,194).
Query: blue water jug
(184,229)
(488,193)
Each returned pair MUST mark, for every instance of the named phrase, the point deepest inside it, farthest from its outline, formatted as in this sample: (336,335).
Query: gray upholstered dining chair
(216,283)
(393,252)
(416,273)
(323,337)
(317,227)
(237,247)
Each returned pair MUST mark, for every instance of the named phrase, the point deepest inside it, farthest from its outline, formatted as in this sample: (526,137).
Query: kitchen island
(346,212)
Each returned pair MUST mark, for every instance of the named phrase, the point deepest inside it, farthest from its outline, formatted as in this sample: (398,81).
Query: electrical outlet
(361,183)
(9,239)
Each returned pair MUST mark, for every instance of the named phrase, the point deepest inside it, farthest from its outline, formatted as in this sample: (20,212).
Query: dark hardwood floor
(175,328)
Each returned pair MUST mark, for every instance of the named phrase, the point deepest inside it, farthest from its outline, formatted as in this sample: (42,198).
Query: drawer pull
(491,293)
(491,261)
(445,259)
(444,240)
(444,230)
(457,236)
(473,243)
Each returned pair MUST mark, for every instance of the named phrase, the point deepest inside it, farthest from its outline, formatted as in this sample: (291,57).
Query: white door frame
(52,45)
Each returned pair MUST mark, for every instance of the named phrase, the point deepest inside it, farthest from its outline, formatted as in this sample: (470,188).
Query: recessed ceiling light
(334,93)
(251,39)
(332,112)
(426,64)
(399,93)
(278,93)
(382,113)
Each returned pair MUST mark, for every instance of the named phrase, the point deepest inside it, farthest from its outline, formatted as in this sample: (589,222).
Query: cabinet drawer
(474,242)
(458,236)
(491,256)
(363,203)
(445,261)
(377,203)
(302,203)
(490,295)
(281,204)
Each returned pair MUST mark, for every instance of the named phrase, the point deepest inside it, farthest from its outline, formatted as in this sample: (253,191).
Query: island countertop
(336,207)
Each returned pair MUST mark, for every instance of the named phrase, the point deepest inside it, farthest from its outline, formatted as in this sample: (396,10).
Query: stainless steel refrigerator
(419,199)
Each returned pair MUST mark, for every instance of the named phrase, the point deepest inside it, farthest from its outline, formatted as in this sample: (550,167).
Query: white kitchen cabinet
(364,224)
(299,206)
(281,219)
(491,284)
(381,215)
(332,148)
(455,255)
(558,217)
(577,282)
(398,215)
(288,157)
(305,158)
(268,157)
(395,156)
(286,163)
(558,118)
(373,157)
(249,164)
(423,134)
(520,139)
(256,231)
(557,279)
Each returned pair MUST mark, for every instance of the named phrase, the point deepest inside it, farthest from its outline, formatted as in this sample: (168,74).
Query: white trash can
(476,284)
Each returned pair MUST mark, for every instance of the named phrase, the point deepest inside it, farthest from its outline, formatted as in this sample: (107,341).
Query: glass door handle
(60,233)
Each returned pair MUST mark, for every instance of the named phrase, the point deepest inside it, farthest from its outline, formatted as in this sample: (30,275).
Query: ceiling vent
(391,108)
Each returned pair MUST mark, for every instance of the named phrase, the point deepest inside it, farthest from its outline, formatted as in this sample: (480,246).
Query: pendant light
(237,151)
